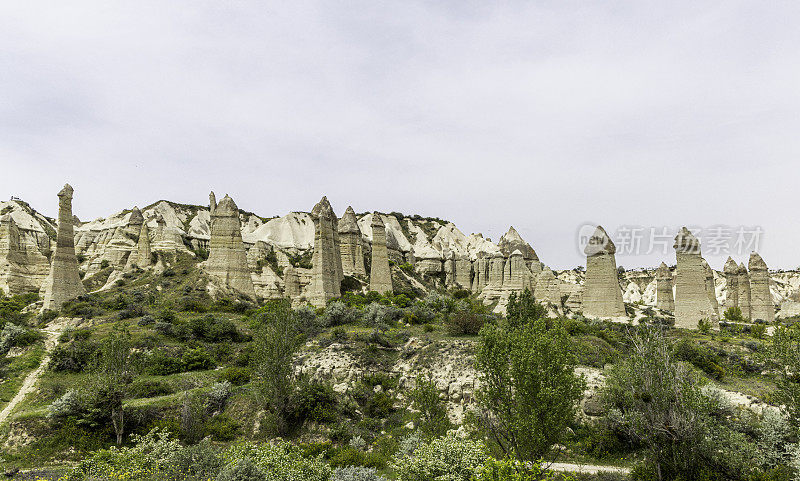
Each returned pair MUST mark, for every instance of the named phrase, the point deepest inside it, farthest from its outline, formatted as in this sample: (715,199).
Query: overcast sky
(542,115)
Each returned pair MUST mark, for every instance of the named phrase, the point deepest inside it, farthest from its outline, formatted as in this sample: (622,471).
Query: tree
(786,355)
(529,390)
(433,420)
(523,308)
(660,404)
(114,370)
(277,338)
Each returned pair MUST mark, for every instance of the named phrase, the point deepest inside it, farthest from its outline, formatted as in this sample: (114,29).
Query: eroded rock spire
(63,283)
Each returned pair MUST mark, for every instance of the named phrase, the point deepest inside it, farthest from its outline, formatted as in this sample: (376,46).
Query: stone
(227,259)
(258,253)
(711,288)
(380,277)
(664,298)
(744,291)
(326,262)
(141,257)
(23,267)
(291,282)
(512,241)
(64,282)
(350,245)
(731,272)
(761,306)
(463,272)
(692,300)
(267,283)
(496,268)
(602,295)
(517,276)
(118,249)
(168,239)
(481,268)
(547,289)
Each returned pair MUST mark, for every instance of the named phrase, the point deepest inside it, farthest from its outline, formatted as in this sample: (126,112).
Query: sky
(552,117)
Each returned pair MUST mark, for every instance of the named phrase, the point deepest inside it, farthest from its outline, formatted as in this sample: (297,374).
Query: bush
(146,321)
(702,358)
(356,473)
(148,388)
(161,363)
(464,322)
(513,470)
(218,394)
(380,316)
(47,315)
(164,328)
(197,359)
(350,284)
(16,336)
(242,470)
(733,314)
(317,402)
(448,458)
(222,428)
(73,356)
(433,420)
(67,405)
(278,461)
(337,313)
(235,375)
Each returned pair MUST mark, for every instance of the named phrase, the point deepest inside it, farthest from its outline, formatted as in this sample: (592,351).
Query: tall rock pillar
(664,298)
(380,276)
(227,259)
(63,283)
(744,291)
(731,271)
(692,301)
(711,288)
(761,306)
(350,245)
(602,296)
(326,262)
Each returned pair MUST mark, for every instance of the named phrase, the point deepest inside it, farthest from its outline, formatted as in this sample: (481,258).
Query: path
(588,468)
(52,332)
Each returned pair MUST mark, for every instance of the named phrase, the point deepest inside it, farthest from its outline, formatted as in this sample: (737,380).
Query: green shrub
(733,314)
(47,315)
(317,402)
(701,357)
(148,388)
(448,458)
(464,322)
(163,363)
(356,473)
(241,470)
(513,470)
(352,456)
(74,356)
(235,375)
(222,428)
(197,359)
(278,461)
(433,420)
(350,284)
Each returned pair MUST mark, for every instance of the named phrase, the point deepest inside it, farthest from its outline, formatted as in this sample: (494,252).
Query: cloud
(541,115)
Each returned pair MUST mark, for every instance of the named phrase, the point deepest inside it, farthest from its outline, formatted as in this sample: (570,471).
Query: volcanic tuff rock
(761,306)
(141,257)
(664,298)
(327,259)
(547,288)
(731,271)
(350,245)
(63,283)
(744,291)
(227,260)
(692,301)
(380,276)
(711,287)
(23,266)
(602,296)
(512,241)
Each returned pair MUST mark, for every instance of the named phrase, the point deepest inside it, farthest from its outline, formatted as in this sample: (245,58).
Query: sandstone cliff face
(63,283)
(602,296)
(227,259)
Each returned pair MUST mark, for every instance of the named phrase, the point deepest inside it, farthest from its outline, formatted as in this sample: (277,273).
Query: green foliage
(734,314)
(317,402)
(432,418)
(278,461)
(758,330)
(350,284)
(701,357)
(511,470)
(786,355)
(235,375)
(523,308)
(73,356)
(11,307)
(448,458)
(704,325)
(277,338)
(529,389)
(197,359)
(465,322)
(114,371)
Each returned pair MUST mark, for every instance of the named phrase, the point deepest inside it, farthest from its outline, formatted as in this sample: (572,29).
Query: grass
(15,372)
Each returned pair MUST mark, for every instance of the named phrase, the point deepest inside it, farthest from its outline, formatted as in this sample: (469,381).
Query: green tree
(523,308)
(786,355)
(529,390)
(277,338)
(114,370)
(433,420)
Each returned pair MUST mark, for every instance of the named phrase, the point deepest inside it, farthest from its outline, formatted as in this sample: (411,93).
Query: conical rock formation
(761,306)
(664,297)
(350,245)
(227,259)
(326,262)
(63,283)
(692,301)
(380,275)
(731,271)
(602,295)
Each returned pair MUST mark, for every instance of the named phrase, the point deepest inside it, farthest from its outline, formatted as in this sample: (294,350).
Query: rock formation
(664,298)
(761,306)
(711,288)
(291,283)
(602,296)
(141,257)
(326,263)
(517,276)
(692,301)
(463,272)
(167,239)
(481,268)
(350,245)
(63,283)
(547,290)
(731,271)
(744,291)
(512,241)
(23,267)
(380,277)
(227,260)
